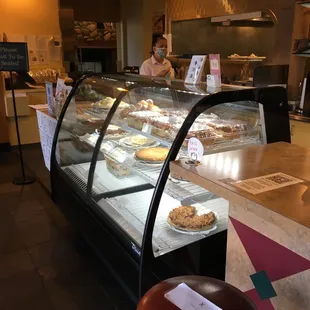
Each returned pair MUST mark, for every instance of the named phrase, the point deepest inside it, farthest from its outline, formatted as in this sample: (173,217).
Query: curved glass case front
(132,124)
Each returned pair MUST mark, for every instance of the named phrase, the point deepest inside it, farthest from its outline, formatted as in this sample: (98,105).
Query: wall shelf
(302,55)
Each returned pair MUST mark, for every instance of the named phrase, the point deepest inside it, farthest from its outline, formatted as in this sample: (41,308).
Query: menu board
(215,69)
(195,69)
(14,57)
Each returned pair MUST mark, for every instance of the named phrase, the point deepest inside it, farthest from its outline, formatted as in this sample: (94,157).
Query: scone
(152,154)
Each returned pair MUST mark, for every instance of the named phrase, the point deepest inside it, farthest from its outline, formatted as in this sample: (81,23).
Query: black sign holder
(23,180)
(14,57)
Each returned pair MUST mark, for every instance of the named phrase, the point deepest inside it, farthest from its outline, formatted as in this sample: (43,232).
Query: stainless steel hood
(304,3)
(265,18)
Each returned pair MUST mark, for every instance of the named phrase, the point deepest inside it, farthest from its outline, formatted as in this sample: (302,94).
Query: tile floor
(44,263)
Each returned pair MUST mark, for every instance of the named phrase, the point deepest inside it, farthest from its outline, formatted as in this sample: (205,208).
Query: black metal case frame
(275,109)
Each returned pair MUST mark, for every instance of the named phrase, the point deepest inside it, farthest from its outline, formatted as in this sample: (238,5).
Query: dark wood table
(220,293)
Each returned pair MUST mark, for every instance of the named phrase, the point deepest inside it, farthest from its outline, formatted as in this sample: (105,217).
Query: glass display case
(110,169)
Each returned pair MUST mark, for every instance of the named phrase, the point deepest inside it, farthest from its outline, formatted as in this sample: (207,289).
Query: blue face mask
(161,52)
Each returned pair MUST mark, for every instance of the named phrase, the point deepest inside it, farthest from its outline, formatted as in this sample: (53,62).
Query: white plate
(149,163)
(116,137)
(126,142)
(197,232)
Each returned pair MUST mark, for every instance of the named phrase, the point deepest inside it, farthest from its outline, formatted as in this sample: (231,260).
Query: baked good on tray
(163,124)
(117,169)
(137,119)
(114,130)
(143,105)
(138,141)
(81,145)
(186,218)
(108,102)
(228,129)
(153,154)
(205,134)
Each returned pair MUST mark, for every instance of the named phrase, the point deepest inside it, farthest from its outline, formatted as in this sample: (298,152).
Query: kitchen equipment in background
(270,75)
(302,47)
(304,3)
(292,105)
(265,18)
(304,108)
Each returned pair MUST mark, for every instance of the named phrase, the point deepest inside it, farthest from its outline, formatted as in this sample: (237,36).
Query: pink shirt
(152,67)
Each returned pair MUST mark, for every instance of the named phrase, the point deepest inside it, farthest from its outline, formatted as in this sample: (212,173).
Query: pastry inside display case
(134,148)
(110,169)
(151,131)
(186,219)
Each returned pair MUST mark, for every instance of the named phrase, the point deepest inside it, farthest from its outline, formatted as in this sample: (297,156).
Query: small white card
(211,82)
(147,128)
(187,299)
(195,149)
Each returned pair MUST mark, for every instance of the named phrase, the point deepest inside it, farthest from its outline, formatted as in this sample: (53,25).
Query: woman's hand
(163,73)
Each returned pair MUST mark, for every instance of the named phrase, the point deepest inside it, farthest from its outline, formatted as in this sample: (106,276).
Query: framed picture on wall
(158,22)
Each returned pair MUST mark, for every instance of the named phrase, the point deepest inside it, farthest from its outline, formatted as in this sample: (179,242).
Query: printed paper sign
(147,128)
(215,69)
(195,149)
(49,97)
(185,298)
(60,85)
(266,183)
(212,81)
(195,69)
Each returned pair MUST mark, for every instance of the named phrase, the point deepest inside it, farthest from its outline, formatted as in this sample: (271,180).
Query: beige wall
(149,9)
(136,16)
(29,17)
(132,18)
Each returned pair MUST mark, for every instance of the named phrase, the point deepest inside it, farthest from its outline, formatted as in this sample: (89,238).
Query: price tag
(195,149)
(147,128)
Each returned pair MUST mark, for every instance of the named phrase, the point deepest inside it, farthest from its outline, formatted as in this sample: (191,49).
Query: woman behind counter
(157,65)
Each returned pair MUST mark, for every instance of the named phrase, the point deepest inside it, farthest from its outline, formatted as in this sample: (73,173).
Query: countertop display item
(119,192)
(250,57)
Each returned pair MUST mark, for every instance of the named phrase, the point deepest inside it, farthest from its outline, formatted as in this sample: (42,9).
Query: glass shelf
(122,187)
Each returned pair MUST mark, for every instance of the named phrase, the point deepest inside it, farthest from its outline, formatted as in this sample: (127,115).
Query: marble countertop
(217,171)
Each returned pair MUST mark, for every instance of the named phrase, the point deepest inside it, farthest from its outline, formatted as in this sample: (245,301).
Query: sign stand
(23,180)
(14,57)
